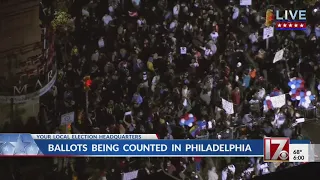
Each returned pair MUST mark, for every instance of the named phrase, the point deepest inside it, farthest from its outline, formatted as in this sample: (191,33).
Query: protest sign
(227,106)
(298,121)
(278,101)
(67,118)
(278,56)
(268,32)
(185,103)
(245,2)
(183,50)
(128,113)
(130,175)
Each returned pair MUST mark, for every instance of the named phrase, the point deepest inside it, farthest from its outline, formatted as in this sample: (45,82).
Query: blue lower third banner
(25,145)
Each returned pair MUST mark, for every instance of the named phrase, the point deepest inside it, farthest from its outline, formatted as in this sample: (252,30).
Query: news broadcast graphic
(93,136)
(276,149)
(284,150)
(291,25)
(123,145)
(299,153)
(288,19)
(18,145)
(314,153)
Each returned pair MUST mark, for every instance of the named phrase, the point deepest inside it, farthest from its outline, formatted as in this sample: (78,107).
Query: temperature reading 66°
(297,151)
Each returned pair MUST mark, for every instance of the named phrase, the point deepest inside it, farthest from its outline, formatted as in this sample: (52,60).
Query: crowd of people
(154,63)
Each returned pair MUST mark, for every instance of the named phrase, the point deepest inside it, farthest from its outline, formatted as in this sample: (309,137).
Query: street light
(87,82)
(269,17)
(69,129)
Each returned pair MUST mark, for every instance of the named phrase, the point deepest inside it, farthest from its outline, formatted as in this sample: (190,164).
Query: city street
(311,130)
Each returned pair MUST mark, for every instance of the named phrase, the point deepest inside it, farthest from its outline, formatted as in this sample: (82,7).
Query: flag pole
(87,103)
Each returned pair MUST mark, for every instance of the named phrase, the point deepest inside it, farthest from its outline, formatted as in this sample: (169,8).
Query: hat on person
(162,121)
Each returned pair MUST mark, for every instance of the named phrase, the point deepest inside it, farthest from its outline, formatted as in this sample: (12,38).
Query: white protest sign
(183,50)
(278,101)
(210,126)
(130,175)
(128,113)
(278,56)
(227,106)
(67,118)
(245,2)
(185,103)
(268,32)
(298,121)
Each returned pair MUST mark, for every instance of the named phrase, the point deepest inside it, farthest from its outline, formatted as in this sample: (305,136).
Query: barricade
(308,113)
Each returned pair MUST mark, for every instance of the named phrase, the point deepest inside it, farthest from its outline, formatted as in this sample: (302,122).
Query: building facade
(27,68)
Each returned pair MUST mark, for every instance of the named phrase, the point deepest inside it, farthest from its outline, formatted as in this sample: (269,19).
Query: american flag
(290,25)
(133,14)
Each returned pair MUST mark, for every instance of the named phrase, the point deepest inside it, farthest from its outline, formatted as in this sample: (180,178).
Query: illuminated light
(307,98)
(269,17)
(88,82)
(308,93)
(182,120)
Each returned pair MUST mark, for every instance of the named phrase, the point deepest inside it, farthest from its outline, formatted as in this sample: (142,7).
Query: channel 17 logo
(287,19)
(276,149)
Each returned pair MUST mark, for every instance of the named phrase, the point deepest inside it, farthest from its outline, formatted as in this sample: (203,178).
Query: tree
(310,2)
(62,25)
(62,22)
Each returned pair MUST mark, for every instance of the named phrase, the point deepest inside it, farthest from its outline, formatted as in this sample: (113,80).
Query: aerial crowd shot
(182,69)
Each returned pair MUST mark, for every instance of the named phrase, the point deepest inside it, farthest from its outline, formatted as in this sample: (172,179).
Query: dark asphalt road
(311,130)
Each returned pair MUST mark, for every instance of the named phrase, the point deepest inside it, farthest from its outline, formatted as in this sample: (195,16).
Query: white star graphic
(32,149)
(279,25)
(296,25)
(290,25)
(284,25)
(301,25)
(5,149)
(19,146)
